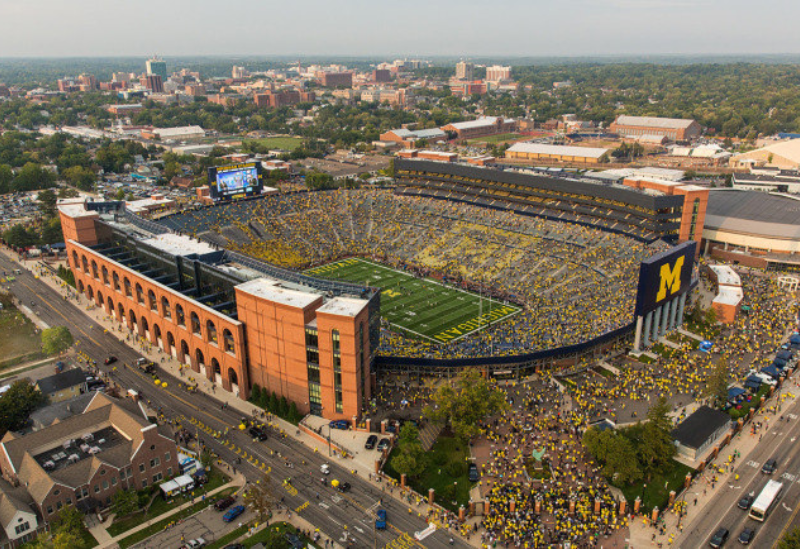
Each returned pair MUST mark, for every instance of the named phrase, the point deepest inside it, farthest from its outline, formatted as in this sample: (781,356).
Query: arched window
(85,264)
(75,263)
(228,343)
(121,311)
(80,286)
(115,278)
(165,308)
(195,323)
(139,294)
(211,330)
(94,269)
(232,377)
(179,317)
(152,301)
(90,292)
(104,272)
(215,366)
(198,355)
(127,284)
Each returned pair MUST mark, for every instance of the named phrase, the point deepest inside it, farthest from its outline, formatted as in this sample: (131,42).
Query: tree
(52,232)
(47,202)
(790,540)
(56,340)
(125,502)
(655,446)
(81,177)
(16,405)
(120,194)
(717,384)
(465,403)
(67,192)
(66,531)
(615,453)
(206,459)
(20,236)
(261,497)
(410,459)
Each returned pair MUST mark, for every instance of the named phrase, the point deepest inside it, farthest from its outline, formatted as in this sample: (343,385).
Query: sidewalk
(700,492)
(180,371)
(106,541)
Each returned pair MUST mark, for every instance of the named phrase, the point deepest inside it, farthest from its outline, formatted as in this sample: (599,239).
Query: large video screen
(665,276)
(234,180)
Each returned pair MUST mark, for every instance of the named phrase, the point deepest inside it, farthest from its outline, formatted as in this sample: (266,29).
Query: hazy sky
(404,27)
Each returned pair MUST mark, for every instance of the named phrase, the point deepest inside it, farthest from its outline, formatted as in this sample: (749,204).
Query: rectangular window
(141,467)
(113,481)
(155,462)
(312,356)
(312,338)
(59,505)
(96,488)
(49,509)
(169,471)
(167,456)
(105,485)
(144,483)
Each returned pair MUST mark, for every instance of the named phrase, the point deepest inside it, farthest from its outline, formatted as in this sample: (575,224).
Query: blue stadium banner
(665,276)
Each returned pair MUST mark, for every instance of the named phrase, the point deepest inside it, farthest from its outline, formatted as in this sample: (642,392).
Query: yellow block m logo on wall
(670,279)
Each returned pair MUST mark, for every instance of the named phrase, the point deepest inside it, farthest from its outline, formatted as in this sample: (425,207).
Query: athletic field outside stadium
(420,306)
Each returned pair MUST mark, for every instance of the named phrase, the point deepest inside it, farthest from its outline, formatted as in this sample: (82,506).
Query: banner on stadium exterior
(665,276)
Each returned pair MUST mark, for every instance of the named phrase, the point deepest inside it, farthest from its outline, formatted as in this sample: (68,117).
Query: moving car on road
(380,522)
(747,536)
(719,538)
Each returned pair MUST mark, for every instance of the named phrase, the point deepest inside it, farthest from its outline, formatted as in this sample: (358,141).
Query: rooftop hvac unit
(101,441)
(94,450)
(49,465)
(68,443)
(74,458)
(87,437)
(84,447)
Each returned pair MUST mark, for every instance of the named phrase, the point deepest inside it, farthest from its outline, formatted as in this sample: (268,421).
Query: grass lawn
(451,491)
(656,494)
(499,138)
(87,539)
(145,533)
(161,506)
(421,307)
(286,143)
(18,341)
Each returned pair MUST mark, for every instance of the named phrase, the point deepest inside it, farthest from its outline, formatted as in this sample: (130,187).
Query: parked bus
(766,500)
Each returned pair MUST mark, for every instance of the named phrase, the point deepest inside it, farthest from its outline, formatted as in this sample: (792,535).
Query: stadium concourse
(572,282)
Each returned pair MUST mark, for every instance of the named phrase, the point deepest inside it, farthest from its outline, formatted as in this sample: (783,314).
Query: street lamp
(328,425)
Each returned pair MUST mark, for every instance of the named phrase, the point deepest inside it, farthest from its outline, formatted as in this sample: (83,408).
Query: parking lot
(206,524)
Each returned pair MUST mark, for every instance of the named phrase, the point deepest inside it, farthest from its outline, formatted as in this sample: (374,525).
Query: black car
(111,360)
(294,541)
(258,433)
(234,546)
(383,444)
(747,536)
(745,503)
(474,475)
(719,538)
(224,503)
(371,442)
(343,487)
(770,466)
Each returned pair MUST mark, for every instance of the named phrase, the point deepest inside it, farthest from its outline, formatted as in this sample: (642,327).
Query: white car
(325,469)
(195,543)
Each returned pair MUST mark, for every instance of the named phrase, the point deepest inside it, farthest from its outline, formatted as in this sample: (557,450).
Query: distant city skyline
(53,28)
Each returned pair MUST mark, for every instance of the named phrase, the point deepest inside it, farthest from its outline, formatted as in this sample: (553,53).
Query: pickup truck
(146,366)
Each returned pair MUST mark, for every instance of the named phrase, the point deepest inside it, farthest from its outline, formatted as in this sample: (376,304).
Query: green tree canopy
(790,540)
(465,403)
(56,340)
(410,459)
(16,405)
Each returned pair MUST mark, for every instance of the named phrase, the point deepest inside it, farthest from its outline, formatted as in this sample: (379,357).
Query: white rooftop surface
(176,244)
(726,276)
(77,210)
(143,204)
(561,150)
(660,173)
(272,291)
(479,123)
(344,306)
(653,122)
(179,131)
(729,295)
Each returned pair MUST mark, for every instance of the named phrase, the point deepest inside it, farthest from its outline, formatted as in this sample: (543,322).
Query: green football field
(422,307)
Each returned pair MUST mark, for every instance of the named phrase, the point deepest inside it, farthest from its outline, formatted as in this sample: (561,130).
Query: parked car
(474,475)
(233,513)
(294,541)
(380,522)
(719,538)
(224,503)
(196,543)
(110,360)
(383,444)
(372,440)
(745,503)
(258,433)
(747,536)
(770,466)
(234,546)
(340,424)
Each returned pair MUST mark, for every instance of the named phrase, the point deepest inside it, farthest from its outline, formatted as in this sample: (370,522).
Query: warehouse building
(674,129)
(556,153)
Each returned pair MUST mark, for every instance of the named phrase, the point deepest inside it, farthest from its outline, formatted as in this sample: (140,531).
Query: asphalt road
(721,512)
(322,506)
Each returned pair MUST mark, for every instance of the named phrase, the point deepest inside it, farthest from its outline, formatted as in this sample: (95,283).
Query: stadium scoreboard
(235,180)
(665,276)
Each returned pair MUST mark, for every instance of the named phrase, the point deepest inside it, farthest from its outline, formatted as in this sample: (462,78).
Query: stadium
(310,294)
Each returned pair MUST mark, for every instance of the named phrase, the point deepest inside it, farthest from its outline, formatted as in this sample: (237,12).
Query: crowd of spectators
(573,282)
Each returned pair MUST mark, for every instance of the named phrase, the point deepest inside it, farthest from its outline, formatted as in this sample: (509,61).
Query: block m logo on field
(670,279)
